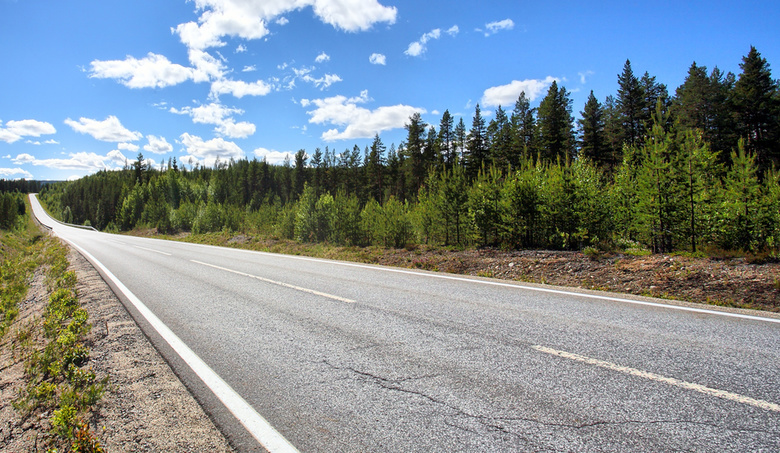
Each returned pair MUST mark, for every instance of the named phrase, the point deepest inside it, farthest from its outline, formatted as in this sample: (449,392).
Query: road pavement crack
(497,423)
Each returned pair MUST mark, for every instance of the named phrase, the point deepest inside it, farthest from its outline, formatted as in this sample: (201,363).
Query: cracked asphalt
(424,363)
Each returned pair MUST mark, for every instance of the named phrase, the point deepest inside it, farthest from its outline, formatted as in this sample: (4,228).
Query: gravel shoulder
(145,408)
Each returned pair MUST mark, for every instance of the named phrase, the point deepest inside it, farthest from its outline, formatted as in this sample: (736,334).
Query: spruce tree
(523,129)
(476,144)
(592,139)
(556,124)
(630,104)
(758,109)
(447,139)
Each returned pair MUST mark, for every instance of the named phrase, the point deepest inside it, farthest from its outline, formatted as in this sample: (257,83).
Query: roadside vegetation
(60,389)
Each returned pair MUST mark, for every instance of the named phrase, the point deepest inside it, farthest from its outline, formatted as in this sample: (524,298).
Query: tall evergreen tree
(592,140)
(757,109)
(415,146)
(630,104)
(447,139)
(476,144)
(556,124)
(524,129)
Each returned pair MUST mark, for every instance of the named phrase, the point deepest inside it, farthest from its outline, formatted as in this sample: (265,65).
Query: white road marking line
(274,282)
(666,380)
(515,285)
(152,250)
(254,423)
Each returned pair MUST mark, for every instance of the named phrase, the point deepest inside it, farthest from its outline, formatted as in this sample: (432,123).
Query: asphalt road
(336,356)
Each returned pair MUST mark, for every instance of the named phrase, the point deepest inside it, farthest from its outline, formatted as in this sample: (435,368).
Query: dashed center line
(274,282)
(152,250)
(766,405)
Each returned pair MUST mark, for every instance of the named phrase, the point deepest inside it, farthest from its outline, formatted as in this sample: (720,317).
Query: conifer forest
(693,170)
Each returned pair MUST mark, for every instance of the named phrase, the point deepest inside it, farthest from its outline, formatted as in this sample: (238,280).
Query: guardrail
(83,227)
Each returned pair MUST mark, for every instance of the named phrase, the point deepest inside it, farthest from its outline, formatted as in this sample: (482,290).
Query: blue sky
(87,84)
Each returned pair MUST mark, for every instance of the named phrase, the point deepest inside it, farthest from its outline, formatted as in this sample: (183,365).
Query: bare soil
(733,282)
(145,408)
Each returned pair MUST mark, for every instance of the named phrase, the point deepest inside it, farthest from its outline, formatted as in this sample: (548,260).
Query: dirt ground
(145,408)
(734,282)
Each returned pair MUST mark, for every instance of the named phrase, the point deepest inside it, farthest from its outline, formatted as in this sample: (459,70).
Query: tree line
(688,171)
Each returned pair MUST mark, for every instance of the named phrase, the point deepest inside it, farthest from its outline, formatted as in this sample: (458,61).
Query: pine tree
(740,205)
(697,171)
(758,109)
(415,146)
(460,142)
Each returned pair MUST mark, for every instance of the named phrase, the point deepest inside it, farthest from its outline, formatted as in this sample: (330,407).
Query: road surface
(289,353)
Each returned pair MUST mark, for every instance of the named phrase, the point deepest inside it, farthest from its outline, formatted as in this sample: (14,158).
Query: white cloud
(247,19)
(273,157)
(454,30)
(584,76)
(152,71)
(128,146)
(157,145)
(16,130)
(322,82)
(250,68)
(220,116)
(15,173)
(206,67)
(239,88)
(417,48)
(495,27)
(207,152)
(51,142)
(507,94)
(358,122)
(232,129)
(90,162)
(241,48)
(322,57)
(282,21)
(377,58)
(108,130)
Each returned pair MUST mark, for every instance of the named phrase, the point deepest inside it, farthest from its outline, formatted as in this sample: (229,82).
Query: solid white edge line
(254,423)
(274,282)
(766,405)
(515,285)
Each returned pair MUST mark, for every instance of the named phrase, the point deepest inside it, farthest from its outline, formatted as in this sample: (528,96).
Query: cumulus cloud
(357,122)
(152,71)
(282,21)
(241,48)
(495,27)
(15,173)
(128,146)
(419,47)
(454,30)
(508,94)
(247,19)
(157,145)
(272,156)
(90,162)
(377,58)
(249,68)
(207,152)
(15,130)
(108,130)
(239,88)
(219,115)
(323,57)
